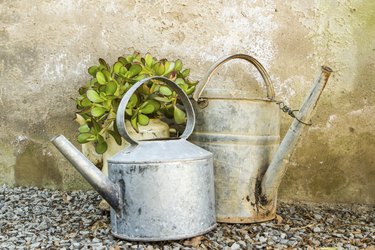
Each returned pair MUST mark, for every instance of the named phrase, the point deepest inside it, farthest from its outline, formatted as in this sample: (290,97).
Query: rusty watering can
(243,134)
(157,189)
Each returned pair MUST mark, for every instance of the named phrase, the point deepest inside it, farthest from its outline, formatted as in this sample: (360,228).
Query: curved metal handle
(120,118)
(267,80)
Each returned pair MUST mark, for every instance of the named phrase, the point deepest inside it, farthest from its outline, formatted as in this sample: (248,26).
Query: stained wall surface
(47,46)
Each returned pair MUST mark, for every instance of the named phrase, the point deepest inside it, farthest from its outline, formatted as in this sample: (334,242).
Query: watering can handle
(120,118)
(267,80)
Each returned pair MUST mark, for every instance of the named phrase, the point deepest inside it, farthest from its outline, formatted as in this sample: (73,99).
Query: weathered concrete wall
(46,46)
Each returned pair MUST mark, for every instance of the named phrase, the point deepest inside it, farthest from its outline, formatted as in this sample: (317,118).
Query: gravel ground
(32,218)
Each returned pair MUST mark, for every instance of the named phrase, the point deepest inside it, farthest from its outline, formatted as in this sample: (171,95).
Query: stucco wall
(46,47)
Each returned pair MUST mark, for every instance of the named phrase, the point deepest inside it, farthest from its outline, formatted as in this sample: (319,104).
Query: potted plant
(153,111)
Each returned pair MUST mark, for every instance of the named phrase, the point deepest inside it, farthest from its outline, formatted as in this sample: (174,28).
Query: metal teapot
(157,189)
(243,133)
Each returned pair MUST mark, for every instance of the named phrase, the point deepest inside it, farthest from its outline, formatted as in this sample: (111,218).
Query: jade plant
(99,99)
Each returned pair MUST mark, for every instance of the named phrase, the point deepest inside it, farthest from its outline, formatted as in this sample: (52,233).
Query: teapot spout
(276,170)
(108,190)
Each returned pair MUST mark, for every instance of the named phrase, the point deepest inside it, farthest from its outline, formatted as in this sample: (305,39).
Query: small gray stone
(317,230)
(235,246)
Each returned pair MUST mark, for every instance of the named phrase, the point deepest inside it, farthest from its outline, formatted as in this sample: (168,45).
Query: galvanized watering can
(157,189)
(243,134)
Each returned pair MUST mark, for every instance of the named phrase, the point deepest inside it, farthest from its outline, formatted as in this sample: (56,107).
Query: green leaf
(115,136)
(179,115)
(190,90)
(133,101)
(86,102)
(129,111)
(165,91)
(104,64)
(92,70)
(162,99)
(93,96)
(111,88)
(134,70)
(149,60)
(122,60)
(98,111)
(178,65)
(148,109)
(185,73)
(84,129)
(101,145)
(159,68)
(122,71)
(85,137)
(156,104)
(100,77)
(143,119)
(117,67)
(134,122)
(169,66)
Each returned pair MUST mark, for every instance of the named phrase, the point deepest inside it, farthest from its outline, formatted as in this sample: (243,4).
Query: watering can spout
(276,170)
(108,190)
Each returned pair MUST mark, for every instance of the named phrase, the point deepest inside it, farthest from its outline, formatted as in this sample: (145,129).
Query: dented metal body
(163,189)
(243,133)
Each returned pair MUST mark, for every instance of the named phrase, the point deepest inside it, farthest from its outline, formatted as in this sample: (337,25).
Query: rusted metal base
(245,220)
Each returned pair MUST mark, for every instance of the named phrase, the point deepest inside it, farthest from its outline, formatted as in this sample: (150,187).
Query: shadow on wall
(35,166)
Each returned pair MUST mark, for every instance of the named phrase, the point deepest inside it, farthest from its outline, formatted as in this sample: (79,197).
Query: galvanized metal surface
(106,188)
(166,187)
(243,135)
(164,201)
(278,166)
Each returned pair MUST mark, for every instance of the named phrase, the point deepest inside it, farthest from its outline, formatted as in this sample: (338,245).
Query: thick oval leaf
(103,63)
(98,111)
(159,68)
(190,90)
(169,67)
(101,147)
(86,103)
(100,77)
(84,129)
(134,70)
(149,60)
(179,81)
(83,138)
(178,65)
(179,115)
(111,88)
(134,122)
(162,99)
(117,67)
(133,101)
(122,71)
(143,119)
(92,70)
(185,73)
(115,136)
(93,96)
(165,91)
(148,109)
(156,104)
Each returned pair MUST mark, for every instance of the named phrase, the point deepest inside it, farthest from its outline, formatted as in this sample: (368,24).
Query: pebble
(32,218)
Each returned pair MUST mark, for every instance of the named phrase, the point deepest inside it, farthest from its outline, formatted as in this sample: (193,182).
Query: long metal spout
(276,170)
(109,191)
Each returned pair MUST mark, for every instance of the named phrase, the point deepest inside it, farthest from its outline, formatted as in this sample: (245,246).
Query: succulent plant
(98,100)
